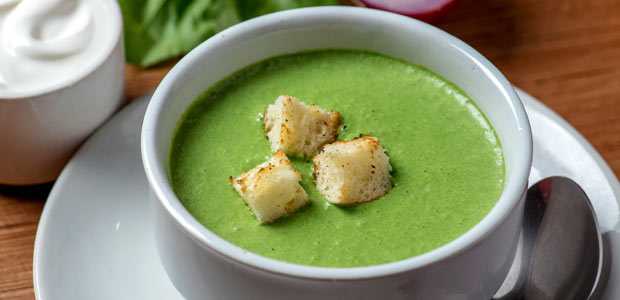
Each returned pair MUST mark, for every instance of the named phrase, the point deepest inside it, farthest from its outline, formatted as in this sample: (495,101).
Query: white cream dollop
(24,30)
(47,43)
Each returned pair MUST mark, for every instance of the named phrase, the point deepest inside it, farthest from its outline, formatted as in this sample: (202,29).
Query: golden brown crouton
(299,129)
(271,189)
(353,171)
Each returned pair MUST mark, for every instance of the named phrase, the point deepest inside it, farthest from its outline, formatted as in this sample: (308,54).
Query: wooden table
(566,53)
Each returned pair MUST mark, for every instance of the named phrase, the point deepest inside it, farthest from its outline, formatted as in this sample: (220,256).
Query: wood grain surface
(565,53)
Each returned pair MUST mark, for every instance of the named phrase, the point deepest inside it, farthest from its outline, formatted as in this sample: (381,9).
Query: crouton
(356,171)
(299,129)
(271,189)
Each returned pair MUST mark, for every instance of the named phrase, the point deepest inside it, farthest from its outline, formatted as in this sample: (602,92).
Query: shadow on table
(30,192)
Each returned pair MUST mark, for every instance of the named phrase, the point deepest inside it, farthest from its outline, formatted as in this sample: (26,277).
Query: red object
(425,10)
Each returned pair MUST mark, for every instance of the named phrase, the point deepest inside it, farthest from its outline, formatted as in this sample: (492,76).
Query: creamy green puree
(448,164)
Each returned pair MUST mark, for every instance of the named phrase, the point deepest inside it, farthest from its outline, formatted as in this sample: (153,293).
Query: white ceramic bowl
(204,266)
(40,131)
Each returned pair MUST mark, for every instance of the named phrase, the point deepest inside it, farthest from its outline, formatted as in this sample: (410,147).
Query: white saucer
(95,239)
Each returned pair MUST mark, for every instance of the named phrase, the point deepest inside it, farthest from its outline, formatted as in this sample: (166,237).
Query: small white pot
(40,131)
(204,266)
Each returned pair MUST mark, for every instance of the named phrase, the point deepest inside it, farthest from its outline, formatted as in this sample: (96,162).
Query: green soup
(448,164)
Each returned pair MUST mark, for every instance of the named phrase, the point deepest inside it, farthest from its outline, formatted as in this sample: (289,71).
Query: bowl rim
(158,179)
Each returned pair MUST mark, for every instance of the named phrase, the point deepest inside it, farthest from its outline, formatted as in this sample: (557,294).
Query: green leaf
(157,30)
(254,8)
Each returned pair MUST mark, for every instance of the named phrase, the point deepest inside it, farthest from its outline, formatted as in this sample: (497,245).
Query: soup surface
(448,164)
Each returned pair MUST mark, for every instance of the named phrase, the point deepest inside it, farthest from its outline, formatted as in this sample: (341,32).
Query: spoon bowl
(562,254)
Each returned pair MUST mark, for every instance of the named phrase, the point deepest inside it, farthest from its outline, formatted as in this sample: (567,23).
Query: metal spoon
(562,246)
